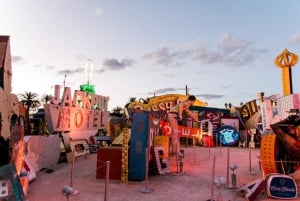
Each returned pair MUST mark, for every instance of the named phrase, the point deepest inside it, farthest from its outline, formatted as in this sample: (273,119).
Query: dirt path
(194,185)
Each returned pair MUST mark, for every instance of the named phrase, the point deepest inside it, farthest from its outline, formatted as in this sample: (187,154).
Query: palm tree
(131,99)
(117,111)
(144,101)
(31,103)
(46,98)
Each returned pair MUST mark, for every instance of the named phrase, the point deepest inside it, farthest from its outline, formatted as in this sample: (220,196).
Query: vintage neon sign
(248,110)
(228,135)
(82,112)
(163,102)
(182,131)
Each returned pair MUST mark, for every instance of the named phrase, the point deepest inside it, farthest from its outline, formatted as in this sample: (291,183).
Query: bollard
(233,180)
(259,163)
(180,156)
(233,176)
(67,191)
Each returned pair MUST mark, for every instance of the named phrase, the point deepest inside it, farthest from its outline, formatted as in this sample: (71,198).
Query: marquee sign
(82,112)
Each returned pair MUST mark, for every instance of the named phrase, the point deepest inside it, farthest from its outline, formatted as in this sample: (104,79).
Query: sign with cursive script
(281,186)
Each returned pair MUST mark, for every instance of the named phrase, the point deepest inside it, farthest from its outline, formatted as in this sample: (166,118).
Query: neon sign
(228,135)
(82,112)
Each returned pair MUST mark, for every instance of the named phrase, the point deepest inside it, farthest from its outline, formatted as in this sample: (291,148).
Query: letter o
(155,108)
(78,120)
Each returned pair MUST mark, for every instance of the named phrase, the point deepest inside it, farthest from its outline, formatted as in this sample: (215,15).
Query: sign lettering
(83,112)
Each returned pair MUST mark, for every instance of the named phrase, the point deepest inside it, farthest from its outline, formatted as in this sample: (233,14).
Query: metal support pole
(176,158)
(146,189)
(282,166)
(74,192)
(72,168)
(227,166)
(187,142)
(194,149)
(106,180)
(213,179)
(250,165)
(250,160)
(147,167)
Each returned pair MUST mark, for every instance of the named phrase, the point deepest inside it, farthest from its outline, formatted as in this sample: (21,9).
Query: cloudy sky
(223,51)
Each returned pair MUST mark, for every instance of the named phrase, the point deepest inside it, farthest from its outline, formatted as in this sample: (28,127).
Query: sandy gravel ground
(196,184)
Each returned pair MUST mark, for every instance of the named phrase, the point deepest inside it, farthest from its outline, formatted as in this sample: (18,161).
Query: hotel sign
(83,111)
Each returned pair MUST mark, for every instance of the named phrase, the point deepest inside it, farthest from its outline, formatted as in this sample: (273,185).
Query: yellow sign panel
(163,102)
(164,142)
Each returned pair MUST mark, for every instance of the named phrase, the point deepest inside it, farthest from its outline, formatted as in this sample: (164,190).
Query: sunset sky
(222,50)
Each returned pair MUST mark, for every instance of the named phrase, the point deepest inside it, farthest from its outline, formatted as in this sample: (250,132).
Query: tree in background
(117,111)
(131,99)
(31,103)
(46,98)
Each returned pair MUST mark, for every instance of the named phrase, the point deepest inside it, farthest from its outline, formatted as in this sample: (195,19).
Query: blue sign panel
(281,186)
(137,148)
(228,135)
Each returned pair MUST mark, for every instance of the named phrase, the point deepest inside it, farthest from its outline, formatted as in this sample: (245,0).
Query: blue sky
(223,51)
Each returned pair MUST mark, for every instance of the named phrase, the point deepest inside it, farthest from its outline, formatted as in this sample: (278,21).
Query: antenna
(89,71)
(65,80)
